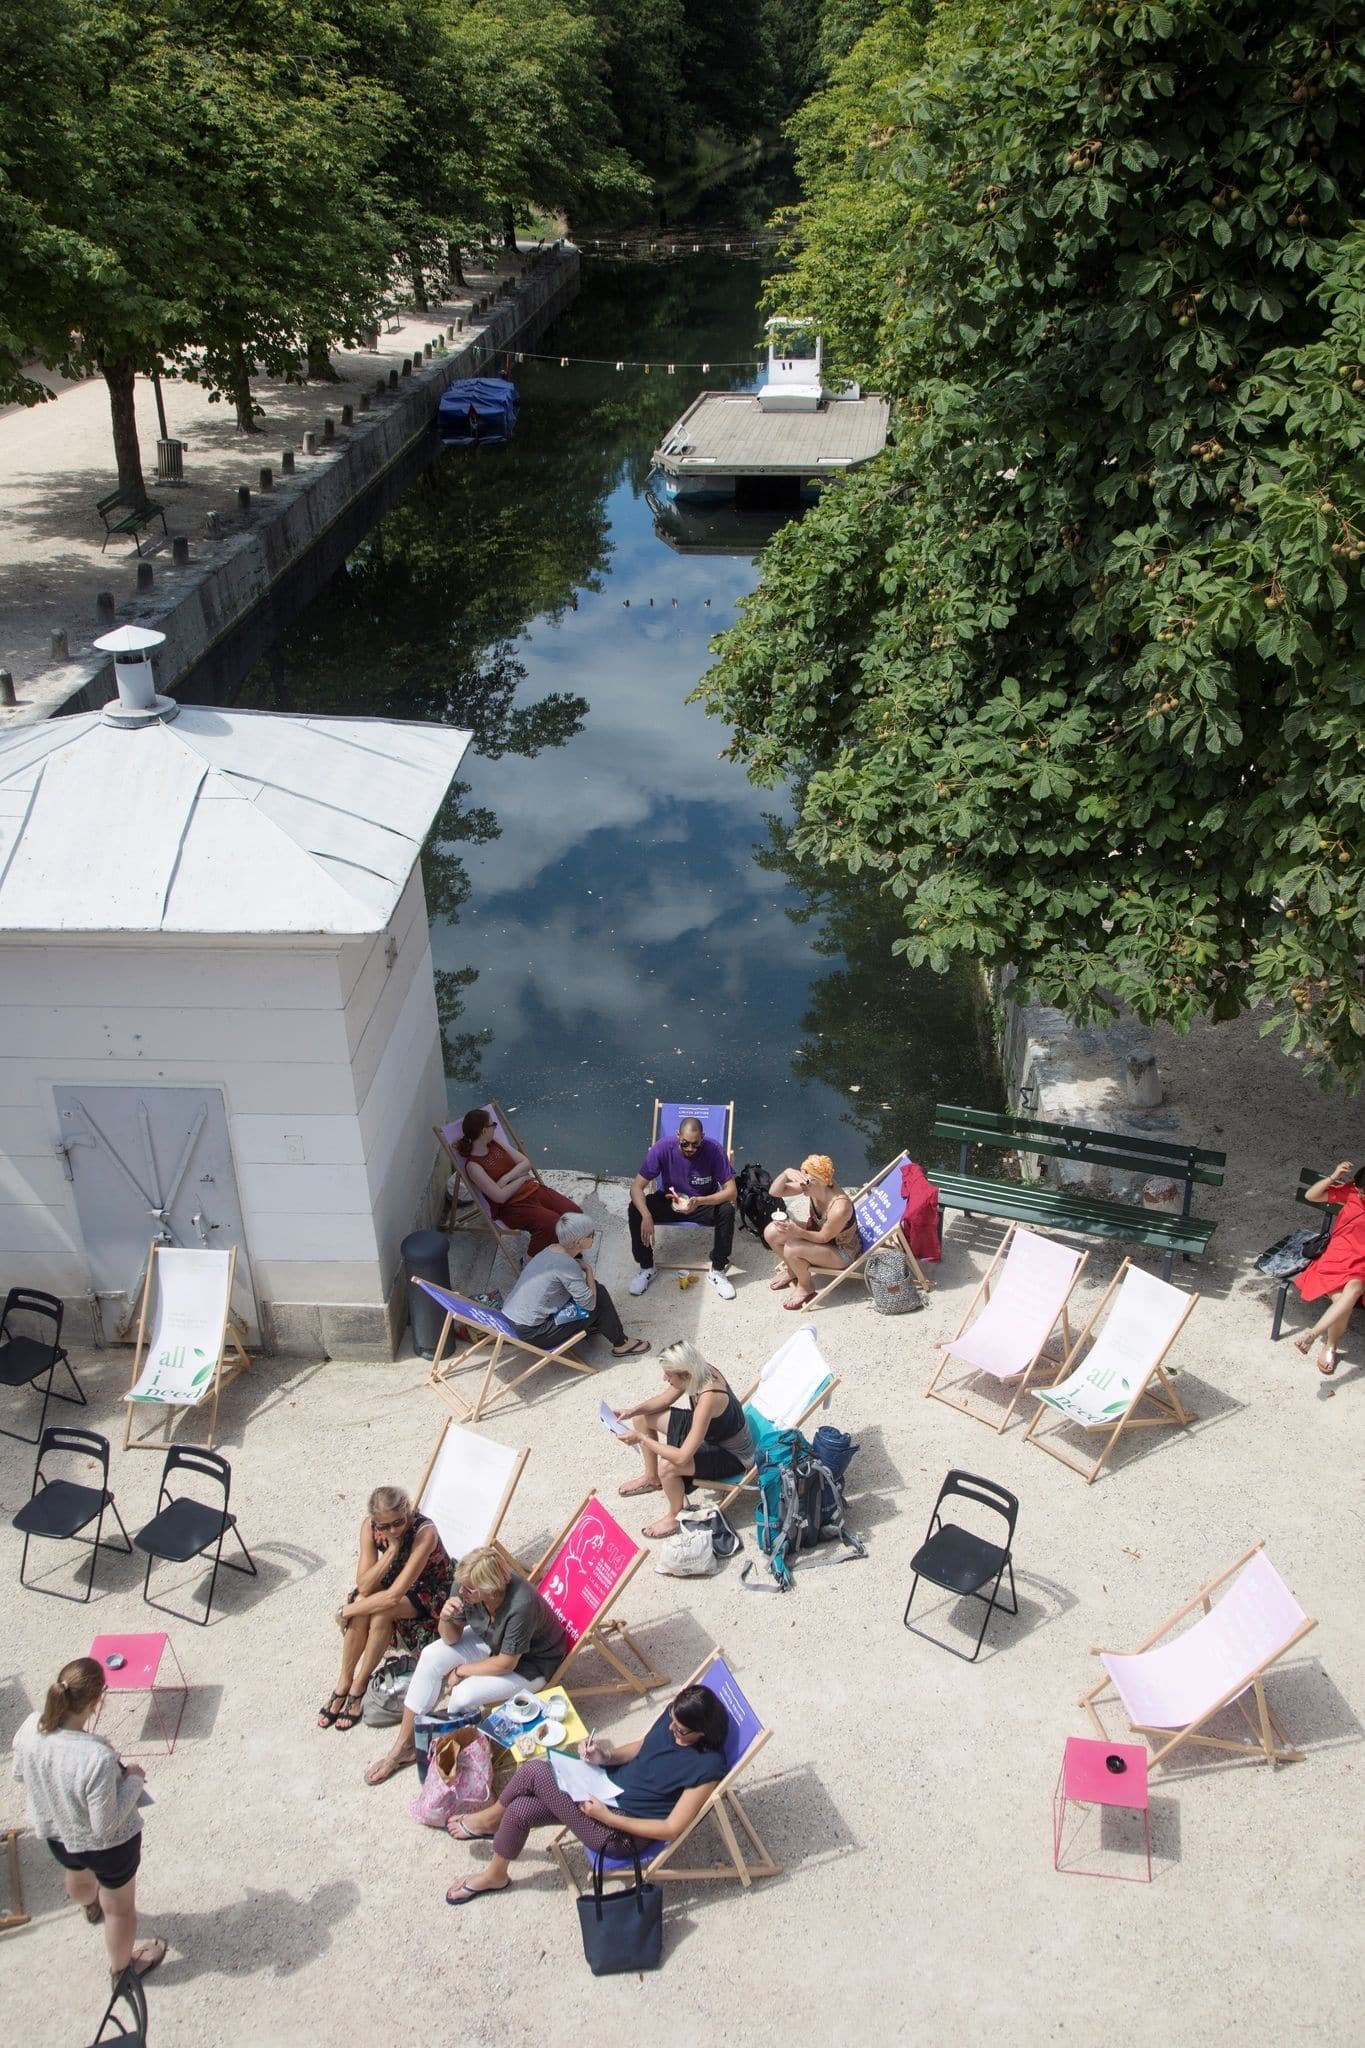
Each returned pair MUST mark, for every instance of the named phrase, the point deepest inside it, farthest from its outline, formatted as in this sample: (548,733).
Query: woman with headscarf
(826,1243)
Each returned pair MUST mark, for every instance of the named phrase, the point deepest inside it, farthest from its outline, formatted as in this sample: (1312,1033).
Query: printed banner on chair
(185,1340)
(586,1569)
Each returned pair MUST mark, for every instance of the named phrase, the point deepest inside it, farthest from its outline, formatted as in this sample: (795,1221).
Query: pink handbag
(459,1780)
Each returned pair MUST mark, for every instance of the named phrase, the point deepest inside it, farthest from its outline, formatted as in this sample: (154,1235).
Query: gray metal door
(150,1163)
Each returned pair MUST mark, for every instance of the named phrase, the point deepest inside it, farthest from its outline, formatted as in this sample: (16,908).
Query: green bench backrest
(1074,1141)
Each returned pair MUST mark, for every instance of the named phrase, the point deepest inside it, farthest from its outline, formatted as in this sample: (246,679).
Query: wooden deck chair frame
(1269,1740)
(894,1237)
(728,1141)
(494,1342)
(478,1217)
(723,1806)
(1172,1414)
(493,1534)
(14,1914)
(233,1337)
(1041,1357)
(747,1482)
(600,1629)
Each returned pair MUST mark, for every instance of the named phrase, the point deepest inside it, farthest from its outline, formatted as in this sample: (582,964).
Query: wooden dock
(727,434)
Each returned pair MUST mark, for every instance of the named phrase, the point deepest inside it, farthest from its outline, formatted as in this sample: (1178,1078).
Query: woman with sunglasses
(664,1780)
(401,1580)
(515,1194)
(496,1636)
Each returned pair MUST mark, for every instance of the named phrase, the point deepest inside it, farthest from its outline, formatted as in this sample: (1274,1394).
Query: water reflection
(601,928)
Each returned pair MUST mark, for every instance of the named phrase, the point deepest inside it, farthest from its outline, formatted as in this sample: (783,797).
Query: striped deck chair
(717,1120)
(1022,1297)
(1122,1369)
(580,1577)
(478,1215)
(795,1382)
(499,1336)
(877,1208)
(1173,1689)
(737,1832)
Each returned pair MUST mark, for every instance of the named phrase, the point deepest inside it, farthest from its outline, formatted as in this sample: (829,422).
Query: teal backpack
(795,1488)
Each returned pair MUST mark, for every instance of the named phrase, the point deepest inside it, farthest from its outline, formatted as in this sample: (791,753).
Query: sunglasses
(689,1144)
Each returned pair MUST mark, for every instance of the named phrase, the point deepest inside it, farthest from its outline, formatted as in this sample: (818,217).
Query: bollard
(310,443)
(364,401)
(347,415)
(407,366)
(393,380)
(244,499)
(144,575)
(329,427)
(267,478)
(104,605)
(57,647)
(180,551)
(450,331)
(287,462)
(8,700)
(381,385)
(459,325)
(426,351)
(211,524)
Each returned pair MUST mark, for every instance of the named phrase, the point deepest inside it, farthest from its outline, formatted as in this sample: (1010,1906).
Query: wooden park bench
(1036,1202)
(122,513)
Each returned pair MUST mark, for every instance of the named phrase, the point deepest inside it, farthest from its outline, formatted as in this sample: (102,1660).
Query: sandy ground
(907,1794)
(57,459)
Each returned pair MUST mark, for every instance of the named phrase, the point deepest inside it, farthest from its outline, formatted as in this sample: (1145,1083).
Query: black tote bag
(622,1931)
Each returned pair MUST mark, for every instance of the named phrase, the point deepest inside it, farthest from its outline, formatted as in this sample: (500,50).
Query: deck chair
(792,1385)
(480,1216)
(717,1121)
(1122,1369)
(185,1331)
(13,1914)
(467,1488)
(580,1577)
(877,1209)
(1172,1689)
(499,1335)
(746,1738)
(1022,1297)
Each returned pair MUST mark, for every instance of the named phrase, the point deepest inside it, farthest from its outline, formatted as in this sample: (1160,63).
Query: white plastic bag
(690,1554)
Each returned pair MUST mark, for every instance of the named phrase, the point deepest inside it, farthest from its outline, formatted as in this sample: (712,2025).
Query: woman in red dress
(507,1181)
(1339,1270)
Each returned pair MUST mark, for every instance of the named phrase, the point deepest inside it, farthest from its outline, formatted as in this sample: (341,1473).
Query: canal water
(615,912)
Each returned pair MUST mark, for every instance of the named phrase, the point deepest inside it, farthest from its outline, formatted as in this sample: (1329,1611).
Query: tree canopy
(1075,672)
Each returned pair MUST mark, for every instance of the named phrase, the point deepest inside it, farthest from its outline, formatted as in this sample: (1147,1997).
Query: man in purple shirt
(696,1185)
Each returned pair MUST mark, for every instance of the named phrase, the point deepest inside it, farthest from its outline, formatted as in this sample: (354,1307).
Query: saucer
(525,1714)
(550,1734)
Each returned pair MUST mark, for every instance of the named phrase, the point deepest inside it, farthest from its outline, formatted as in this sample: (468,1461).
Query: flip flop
(94,1914)
(1304,1345)
(458,1832)
(346,1720)
(386,1767)
(801,1301)
(781,1284)
(630,1487)
(461,1895)
(632,1350)
(144,1958)
(1327,1364)
(327,1714)
(656,1531)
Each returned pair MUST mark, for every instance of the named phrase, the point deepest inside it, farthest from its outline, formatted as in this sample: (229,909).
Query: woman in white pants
(496,1635)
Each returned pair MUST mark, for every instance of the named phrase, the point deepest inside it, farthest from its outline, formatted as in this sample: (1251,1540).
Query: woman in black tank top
(709,1439)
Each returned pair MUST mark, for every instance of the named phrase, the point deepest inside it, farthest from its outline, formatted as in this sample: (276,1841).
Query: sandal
(658,1530)
(93,1913)
(458,1832)
(631,1350)
(801,1300)
(781,1283)
(144,1958)
(327,1714)
(1303,1345)
(386,1767)
(1327,1364)
(464,1895)
(630,1487)
(346,1720)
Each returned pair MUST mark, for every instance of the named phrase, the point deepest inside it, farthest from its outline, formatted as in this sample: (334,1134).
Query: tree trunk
(418,271)
(457,275)
(121,377)
(321,369)
(240,392)
(509,226)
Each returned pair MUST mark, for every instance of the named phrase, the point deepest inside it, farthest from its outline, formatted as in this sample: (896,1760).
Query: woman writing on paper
(663,1780)
(401,1578)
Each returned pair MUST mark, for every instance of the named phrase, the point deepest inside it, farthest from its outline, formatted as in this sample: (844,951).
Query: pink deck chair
(1022,1296)
(581,1576)
(1172,1689)
(478,1213)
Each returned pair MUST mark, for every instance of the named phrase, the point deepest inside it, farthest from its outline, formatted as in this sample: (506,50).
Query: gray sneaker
(642,1280)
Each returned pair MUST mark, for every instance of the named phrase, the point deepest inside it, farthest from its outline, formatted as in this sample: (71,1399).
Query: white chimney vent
(138,703)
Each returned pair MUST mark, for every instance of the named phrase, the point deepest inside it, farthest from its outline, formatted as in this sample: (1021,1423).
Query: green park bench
(1069,1209)
(123,513)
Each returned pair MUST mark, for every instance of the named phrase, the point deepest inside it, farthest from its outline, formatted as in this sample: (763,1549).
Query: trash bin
(170,462)
(426,1256)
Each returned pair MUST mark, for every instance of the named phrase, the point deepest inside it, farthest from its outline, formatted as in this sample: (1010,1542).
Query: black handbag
(622,1931)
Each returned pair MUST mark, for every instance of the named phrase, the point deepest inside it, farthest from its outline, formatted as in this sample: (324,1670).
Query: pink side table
(1087,1779)
(140,1672)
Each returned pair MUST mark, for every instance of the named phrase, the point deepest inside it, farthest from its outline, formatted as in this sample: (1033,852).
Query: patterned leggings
(532,1799)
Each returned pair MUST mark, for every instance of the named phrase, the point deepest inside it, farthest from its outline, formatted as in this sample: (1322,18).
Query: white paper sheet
(607,1414)
(583,1781)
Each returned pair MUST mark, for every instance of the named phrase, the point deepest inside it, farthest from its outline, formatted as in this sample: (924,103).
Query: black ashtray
(1116,1765)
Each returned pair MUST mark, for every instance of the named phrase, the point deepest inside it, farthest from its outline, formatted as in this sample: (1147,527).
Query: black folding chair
(24,1358)
(128,1991)
(961,1562)
(61,1508)
(183,1527)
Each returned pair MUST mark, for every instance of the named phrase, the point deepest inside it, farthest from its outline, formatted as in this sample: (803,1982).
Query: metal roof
(233,822)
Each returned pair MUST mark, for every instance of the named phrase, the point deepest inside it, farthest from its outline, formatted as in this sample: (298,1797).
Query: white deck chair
(185,1330)
(796,1381)
(479,1213)
(1122,1369)
(1022,1296)
(467,1488)
(1171,1689)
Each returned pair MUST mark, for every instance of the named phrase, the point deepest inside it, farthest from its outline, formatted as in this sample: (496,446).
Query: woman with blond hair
(401,1579)
(707,1439)
(496,1637)
(827,1243)
(83,1801)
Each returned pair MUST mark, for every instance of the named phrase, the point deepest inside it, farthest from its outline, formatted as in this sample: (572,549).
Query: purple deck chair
(499,1335)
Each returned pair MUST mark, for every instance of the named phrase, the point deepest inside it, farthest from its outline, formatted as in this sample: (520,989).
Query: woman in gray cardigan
(83,1801)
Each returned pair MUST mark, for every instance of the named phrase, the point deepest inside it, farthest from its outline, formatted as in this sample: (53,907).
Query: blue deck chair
(717,1121)
(499,1335)
(877,1208)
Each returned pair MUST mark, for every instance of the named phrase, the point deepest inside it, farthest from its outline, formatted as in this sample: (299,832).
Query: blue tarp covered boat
(477,412)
